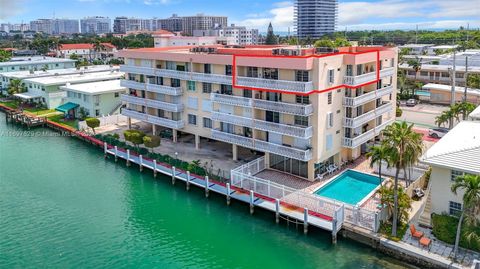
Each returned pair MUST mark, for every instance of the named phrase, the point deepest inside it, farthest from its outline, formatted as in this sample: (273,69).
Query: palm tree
(465,108)
(377,155)
(416,65)
(441,119)
(404,145)
(97,47)
(471,202)
(5,56)
(16,86)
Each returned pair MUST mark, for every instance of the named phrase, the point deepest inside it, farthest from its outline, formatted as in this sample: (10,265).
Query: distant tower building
(315,18)
(95,25)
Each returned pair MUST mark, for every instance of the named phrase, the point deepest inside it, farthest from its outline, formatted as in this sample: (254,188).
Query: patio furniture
(425,242)
(415,234)
(418,192)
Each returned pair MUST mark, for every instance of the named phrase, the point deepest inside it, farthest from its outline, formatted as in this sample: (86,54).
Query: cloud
(440,24)
(281,17)
(10,8)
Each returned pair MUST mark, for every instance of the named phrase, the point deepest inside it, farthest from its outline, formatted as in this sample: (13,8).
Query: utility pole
(416,34)
(452,96)
(466,79)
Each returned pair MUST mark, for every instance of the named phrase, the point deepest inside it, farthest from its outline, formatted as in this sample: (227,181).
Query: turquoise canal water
(350,187)
(62,205)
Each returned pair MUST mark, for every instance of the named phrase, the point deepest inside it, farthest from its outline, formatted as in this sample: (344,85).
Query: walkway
(465,257)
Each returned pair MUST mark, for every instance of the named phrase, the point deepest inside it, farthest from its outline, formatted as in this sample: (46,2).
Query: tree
(324,43)
(341,42)
(377,155)
(97,47)
(416,65)
(403,145)
(473,81)
(470,184)
(93,123)
(465,109)
(134,136)
(402,53)
(5,56)
(442,119)
(194,166)
(387,194)
(16,86)
(271,39)
(151,141)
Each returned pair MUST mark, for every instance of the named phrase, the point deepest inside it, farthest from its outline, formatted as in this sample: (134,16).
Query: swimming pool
(349,187)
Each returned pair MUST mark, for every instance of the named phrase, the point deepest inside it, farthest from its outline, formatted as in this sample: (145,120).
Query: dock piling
(174,173)
(277,211)
(188,181)
(140,165)
(116,153)
(228,193)
(105,148)
(128,157)
(252,197)
(154,168)
(305,220)
(206,187)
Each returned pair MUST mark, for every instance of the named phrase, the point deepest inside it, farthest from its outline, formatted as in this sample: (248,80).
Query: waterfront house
(47,91)
(305,109)
(95,98)
(35,63)
(457,153)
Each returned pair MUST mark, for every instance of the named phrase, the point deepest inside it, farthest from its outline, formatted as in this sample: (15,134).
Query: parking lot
(422,115)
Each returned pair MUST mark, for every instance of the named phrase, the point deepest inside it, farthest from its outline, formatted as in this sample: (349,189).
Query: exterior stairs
(425,219)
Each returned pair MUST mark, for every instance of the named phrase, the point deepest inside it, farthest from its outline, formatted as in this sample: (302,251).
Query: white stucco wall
(441,190)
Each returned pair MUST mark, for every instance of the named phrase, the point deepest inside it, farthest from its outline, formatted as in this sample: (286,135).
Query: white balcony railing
(290,152)
(288,108)
(176,91)
(366,117)
(387,72)
(153,119)
(283,85)
(367,97)
(284,129)
(384,108)
(382,126)
(384,91)
(152,103)
(360,79)
(231,100)
(358,140)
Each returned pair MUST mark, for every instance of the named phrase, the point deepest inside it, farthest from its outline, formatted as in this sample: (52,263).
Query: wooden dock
(18,116)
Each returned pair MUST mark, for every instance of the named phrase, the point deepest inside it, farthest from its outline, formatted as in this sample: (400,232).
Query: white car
(411,102)
(437,132)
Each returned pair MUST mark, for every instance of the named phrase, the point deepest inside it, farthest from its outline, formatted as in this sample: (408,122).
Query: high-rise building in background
(42,26)
(202,22)
(122,25)
(240,34)
(315,18)
(95,25)
(172,24)
(55,26)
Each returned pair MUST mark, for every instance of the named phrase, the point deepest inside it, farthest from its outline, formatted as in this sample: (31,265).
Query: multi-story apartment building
(315,18)
(303,109)
(35,63)
(122,25)
(172,24)
(240,34)
(95,25)
(20,27)
(66,26)
(163,38)
(202,22)
(42,26)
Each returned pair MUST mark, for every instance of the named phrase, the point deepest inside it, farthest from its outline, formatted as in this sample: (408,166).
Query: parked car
(437,132)
(411,102)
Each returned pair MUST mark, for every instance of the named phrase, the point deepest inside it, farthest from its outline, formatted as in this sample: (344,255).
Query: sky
(353,14)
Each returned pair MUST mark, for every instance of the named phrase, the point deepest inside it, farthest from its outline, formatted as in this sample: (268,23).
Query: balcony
(284,129)
(366,117)
(288,108)
(153,119)
(231,100)
(358,140)
(137,70)
(360,79)
(294,153)
(387,72)
(152,103)
(176,91)
(273,84)
(367,97)
(382,126)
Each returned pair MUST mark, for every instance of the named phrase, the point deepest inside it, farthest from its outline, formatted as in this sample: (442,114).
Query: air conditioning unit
(276,52)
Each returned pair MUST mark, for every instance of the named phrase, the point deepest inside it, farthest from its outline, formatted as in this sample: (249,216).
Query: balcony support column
(197,142)
(129,121)
(174,135)
(154,129)
(235,152)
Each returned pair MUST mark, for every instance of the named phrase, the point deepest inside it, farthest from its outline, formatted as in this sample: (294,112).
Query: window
(459,75)
(192,119)
(117,94)
(252,72)
(454,208)
(302,99)
(329,142)
(207,68)
(247,93)
(329,120)
(192,102)
(206,87)
(191,85)
(301,75)
(97,112)
(424,73)
(301,120)
(171,65)
(207,123)
(454,174)
(207,105)
(270,73)
(331,76)
(175,82)
(329,98)
(228,70)
(226,89)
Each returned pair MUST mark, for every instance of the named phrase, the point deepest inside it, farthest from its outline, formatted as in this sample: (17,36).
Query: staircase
(114,110)
(425,219)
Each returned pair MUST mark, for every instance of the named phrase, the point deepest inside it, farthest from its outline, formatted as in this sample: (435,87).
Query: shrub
(398,112)
(93,123)
(134,136)
(151,141)
(445,229)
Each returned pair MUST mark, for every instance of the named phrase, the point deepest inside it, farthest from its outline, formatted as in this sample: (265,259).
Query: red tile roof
(80,46)
(162,32)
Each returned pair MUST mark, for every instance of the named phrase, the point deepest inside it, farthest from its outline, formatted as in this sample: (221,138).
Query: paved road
(422,115)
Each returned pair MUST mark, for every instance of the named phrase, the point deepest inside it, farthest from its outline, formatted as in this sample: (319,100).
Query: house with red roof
(87,51)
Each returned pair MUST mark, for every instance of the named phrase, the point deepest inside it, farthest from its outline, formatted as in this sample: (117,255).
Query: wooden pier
(17,116)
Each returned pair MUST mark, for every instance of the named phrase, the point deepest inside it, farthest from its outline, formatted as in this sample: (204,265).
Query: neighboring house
(86,51)
(5,78)
(417,49)
(47,90)
(240,34)
(303,113)
(439,74)
(164,38)
(457,153)
(475,115)
(96,98)
(35,63)
(442,94)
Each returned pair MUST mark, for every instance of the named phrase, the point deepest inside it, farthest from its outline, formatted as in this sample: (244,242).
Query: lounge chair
(415,234)
(425,242)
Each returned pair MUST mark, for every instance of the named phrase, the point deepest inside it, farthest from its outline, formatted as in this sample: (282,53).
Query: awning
(27,95)
(66,107)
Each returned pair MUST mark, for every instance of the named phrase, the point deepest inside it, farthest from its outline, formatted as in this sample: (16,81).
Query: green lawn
(10,104)
(445,229)
(60,119)
(39,111)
